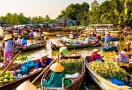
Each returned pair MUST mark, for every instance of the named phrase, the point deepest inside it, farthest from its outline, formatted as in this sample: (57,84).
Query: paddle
(10,63)
(43,71)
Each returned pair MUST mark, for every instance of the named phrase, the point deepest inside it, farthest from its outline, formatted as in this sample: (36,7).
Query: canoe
(49,33)
(112,39)
(103,83)
(31,48)
(55,47)
(110,48)
(72,57)
(15,83)
(75,85)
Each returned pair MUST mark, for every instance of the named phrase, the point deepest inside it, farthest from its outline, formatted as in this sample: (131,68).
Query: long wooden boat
(110,48)
(115,32)
(76,46)
(31,48)
(49,33)
(15,83)
(72,56)
(75,85)
(103,83)
(112,39)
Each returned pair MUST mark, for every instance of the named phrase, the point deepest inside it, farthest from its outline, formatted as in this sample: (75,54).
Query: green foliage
(71,66)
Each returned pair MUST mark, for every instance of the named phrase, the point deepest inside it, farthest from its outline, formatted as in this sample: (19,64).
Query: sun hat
(57,67)
(98,34)
(45,54)
(95,50)
(107,32)
(8,36)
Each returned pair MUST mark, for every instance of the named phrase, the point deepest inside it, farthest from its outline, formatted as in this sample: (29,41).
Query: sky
(34,8)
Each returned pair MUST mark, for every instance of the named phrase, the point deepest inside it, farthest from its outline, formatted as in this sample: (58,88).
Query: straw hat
(71,32)
(57,67)
(8,36)
(96,50)
(98,34)
(45,54)
(26,86)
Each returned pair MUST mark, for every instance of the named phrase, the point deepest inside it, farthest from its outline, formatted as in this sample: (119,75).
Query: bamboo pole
(43,71)
(10,64)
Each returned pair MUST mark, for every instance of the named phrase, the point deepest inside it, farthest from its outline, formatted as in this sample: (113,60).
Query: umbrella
(26,86)
(63,50)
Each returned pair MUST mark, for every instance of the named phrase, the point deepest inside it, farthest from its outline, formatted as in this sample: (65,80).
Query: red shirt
(95,56)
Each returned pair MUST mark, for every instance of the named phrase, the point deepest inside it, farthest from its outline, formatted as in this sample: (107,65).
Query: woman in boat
(23,42)
(98,38)
(7,46)
(121,57)
(107,39)
(55,80)
(95,56)
(44,61)
(18,41)
(48,46)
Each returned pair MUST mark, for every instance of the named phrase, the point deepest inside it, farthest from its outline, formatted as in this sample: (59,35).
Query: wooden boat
(75,85)
(76,46)
(15,83)
(112,39)
(49,33)
(31,48)
(72,56)
(110,48)
(103,83)
(115,32)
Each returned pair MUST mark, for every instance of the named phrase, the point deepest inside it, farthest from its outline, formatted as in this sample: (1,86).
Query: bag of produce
(29,64)
(24,68)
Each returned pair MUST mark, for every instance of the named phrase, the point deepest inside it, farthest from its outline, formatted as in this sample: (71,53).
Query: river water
(89,83)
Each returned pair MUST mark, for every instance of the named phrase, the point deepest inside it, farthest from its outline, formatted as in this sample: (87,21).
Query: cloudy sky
(37,7)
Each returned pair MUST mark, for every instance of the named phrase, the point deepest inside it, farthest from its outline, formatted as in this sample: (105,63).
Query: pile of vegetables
(71,66)
(22,58)
(108,70)
(33,45)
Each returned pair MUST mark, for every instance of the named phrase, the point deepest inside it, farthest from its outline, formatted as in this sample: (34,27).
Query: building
(64,21)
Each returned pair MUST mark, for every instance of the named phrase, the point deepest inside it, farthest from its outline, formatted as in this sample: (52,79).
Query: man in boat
(48,46)
(71,36)
(95,56)
(107,39)
(121,57)
(44,61)
(56,77)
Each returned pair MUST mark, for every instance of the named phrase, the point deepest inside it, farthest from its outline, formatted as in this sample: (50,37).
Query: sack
(29,64)
(24,68)
(23,41)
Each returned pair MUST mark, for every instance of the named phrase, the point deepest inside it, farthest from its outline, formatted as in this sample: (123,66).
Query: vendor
(95,56)
(55,79)
(44,61)
(121,57)
(98,38)
(71,36)
(107,39)
(63,51)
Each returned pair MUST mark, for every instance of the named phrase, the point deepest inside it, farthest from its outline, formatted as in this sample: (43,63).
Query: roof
(101,25)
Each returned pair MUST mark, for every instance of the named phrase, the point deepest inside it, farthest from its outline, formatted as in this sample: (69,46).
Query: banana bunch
(22,58)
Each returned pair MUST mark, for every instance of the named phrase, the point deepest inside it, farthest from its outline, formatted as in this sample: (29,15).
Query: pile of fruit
(7,77)
(22,58)
(33,45)
(71,66)
(108,70)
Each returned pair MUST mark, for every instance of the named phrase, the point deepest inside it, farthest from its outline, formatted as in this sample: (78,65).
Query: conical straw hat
(57,67)
(26,86)
(8,36)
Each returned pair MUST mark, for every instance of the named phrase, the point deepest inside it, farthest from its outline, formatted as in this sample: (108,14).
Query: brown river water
(89,83)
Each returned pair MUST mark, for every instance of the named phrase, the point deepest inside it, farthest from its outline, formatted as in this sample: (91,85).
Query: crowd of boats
(72,39)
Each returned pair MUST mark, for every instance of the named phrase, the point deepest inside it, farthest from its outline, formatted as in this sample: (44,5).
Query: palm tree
(117,13)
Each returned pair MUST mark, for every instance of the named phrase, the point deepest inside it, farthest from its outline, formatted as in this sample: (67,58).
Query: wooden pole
(10,64)
(43,71)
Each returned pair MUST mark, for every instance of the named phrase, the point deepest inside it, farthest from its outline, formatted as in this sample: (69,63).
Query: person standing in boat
(31,35)
(48,46)
(95,56)
(7,46)
(71,36)
(55,80)
(107,39)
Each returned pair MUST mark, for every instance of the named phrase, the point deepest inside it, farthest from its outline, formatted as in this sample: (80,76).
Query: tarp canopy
(26,86)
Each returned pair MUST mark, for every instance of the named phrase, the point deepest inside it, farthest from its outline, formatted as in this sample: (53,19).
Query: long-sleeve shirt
(95,56)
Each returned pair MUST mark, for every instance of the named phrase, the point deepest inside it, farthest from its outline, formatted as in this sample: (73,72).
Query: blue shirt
(8,45)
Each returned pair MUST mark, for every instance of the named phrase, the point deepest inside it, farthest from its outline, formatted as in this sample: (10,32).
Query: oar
(10,63)
(43,71)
